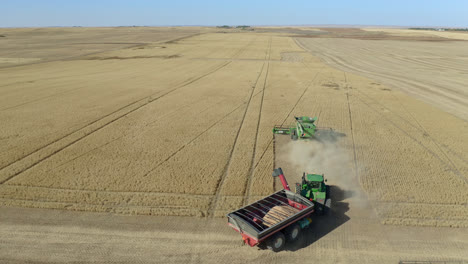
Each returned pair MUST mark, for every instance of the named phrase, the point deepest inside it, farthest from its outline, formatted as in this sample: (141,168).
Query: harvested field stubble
(139,130)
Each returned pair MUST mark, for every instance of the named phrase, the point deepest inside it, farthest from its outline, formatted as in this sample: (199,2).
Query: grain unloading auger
(304,128)
(281,216)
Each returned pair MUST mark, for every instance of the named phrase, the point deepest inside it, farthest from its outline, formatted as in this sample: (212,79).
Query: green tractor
(303,129)
(313,187)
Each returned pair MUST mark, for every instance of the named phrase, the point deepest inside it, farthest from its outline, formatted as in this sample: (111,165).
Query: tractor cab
(313,187)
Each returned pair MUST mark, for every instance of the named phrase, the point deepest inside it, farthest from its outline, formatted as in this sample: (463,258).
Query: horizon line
(258,25)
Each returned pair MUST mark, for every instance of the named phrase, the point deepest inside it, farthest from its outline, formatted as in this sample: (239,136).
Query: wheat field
(181,125)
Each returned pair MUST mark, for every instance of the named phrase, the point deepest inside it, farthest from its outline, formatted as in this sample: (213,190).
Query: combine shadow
(324,224)
(328,135)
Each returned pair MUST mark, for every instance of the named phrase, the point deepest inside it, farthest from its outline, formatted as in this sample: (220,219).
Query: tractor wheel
(293,232)
(276,242)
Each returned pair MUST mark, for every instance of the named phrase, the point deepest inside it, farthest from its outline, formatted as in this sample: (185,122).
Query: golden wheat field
(182,126)
(171,122)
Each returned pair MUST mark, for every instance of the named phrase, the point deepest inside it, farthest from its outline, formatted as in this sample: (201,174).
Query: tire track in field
(99,207)
(420,129)
(356,174)
(454,170)
(251,169)
(438,219)
(133,133)
(215,201)
(272,140)
(135,105)
(107,143)
(452,165)
(146,100)
(206,130)
(45,98)
(115,191)
(425,132)
(341,64)
(192,140)
(132,45)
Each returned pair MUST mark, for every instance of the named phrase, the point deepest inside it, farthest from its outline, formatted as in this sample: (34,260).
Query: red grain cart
(273,220)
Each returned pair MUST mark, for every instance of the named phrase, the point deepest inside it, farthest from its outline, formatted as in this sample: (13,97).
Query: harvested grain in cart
(278,214)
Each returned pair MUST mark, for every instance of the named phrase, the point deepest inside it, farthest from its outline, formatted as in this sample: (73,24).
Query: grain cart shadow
(324,224)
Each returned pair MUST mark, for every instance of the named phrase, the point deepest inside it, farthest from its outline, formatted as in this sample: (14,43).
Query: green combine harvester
(304,128)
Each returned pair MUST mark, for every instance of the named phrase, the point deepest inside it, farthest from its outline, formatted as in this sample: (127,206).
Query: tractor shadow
(324,224)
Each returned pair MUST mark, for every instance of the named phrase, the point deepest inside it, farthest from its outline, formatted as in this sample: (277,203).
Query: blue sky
(38,13)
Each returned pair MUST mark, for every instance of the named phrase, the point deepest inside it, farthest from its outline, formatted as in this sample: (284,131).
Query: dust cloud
(328,158)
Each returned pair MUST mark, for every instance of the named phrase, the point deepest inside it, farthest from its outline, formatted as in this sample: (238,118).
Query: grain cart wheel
(293,232)
(276,242)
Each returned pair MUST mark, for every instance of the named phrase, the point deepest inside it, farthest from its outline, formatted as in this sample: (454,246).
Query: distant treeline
(441,29)
(240,27)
